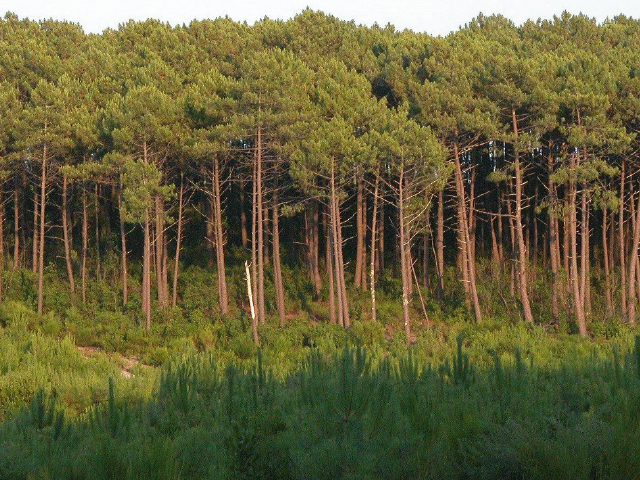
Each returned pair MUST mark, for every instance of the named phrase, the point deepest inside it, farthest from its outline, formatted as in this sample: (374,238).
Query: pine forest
(312,249)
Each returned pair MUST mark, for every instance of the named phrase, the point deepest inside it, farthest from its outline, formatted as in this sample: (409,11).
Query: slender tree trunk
(36,213)
(512,237)
(97,222)
(123,246)
(65,231)
(577,297)
(158,245)
(243,217)
(440,244)
(315,225)
(1,241)
(260,223)
(360,230)
(471,276)
(338,260)
(311,221)
(16,227)
(623,273)
(607,268)
(217,206)
(633,262)
(495,252)
(43,196)
(500,230)
(522,259)
(85,244)
(404,267)
(425,260)
(176,264)
(254,235)
(472,218)
(146,258)
(372,272)
(277,267)
(329,265)
(254,319)
(553,240)
(380,256)
(363,282)
(584,254)
(146,271)
(534,221)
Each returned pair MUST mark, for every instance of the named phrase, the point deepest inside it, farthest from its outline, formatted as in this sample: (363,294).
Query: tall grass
(350,414)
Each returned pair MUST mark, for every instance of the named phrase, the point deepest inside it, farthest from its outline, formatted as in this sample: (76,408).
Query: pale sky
(437,17)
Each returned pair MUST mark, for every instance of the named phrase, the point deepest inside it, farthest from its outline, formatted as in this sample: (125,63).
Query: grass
(498,400)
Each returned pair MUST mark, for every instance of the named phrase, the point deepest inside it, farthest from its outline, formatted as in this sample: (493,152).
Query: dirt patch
(126,364)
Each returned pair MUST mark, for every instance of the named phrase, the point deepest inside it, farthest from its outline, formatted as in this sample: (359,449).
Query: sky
(436,17)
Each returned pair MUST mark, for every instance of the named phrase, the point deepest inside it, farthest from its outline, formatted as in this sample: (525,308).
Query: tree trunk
(329,265)
(315,226)
(219,235)
(146,258)
(36,213)
(338,260)
(404,267)
(360,231)
(123,246)
(254,319)
(97,222)
(372,272)
(176,264)
(584,254)
(277,267)
(575,285)
(243,217)
(85,244)
(462,219)
(522,259)
(146,272)
(65,232)
(16,227)
(472,218)
(380,257)
(1,242)
(553,240)
(633,262)
(260,223)
(254,236)
(43,196)
(623,273)
(311,221)
(440,245)
(607,268)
